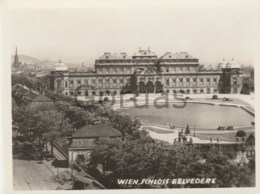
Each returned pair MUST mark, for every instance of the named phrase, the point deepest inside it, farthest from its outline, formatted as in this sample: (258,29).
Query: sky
(209,32)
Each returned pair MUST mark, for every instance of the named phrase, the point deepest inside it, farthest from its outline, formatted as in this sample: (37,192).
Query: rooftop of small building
(95,131)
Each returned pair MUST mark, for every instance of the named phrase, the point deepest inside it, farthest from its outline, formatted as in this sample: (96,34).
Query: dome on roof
(60,66)
(144,54)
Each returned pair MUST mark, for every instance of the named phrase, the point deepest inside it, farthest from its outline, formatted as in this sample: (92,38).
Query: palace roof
(181,55)
(95,131)
(145,53)
(114,56)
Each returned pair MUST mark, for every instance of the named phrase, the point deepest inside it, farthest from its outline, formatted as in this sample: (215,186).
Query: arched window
(100,81)
(187,81)
(58,83)
(114,82)
(71,83)
(79,82)
(215,80)
(174,81)
(107,80)
(201,81)
(194,81)
(208,81)
(93,82)
(181,81)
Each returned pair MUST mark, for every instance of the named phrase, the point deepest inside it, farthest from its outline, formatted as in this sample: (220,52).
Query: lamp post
(194,131)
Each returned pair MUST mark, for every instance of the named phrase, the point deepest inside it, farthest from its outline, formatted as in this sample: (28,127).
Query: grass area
(156,130)
(230,137)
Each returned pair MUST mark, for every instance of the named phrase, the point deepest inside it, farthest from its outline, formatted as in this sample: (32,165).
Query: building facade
(146,72)
(81,144)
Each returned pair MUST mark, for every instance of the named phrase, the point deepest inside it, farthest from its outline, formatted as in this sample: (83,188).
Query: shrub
(106,99)
(230,128)
(241,133)
(187,130)
(220,128)
(214,97)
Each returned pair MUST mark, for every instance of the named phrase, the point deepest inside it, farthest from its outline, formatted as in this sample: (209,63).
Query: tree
(143,158)
(214,97)
(77,116)
(187,130)
(42,123)
(241,133)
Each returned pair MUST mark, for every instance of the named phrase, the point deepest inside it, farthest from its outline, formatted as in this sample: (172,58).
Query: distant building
(247,81)
(28,96)
(16,64)
(82,140)
(60,66)
(147,73)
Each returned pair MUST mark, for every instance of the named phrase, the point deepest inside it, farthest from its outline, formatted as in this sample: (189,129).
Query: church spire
(16,63)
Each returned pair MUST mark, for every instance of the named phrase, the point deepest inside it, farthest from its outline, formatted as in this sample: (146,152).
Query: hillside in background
(41,63)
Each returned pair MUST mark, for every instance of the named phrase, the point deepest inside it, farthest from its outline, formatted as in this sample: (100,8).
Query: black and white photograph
(121,95)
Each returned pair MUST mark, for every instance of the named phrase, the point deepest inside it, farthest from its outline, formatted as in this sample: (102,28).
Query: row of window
(143,60)
(179,69)
(87,93)
(92,82)
(194,79)
(195,91)
(115,83)
(187,91)
(105,70)
(188,81)
(108,70)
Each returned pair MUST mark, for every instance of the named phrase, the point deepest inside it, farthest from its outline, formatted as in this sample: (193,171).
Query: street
(31,175)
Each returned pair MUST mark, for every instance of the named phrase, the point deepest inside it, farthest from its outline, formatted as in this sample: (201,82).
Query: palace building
(145,72)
